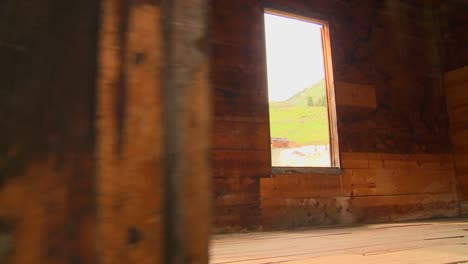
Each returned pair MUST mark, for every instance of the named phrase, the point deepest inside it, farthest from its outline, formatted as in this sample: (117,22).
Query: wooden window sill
(306,170)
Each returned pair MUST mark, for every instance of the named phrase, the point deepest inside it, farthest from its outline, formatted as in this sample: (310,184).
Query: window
(303,129)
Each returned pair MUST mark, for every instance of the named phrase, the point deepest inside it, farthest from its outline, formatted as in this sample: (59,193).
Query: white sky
(294,56)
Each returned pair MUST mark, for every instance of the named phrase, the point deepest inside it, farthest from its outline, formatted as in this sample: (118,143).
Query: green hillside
(299,120)
(311,96)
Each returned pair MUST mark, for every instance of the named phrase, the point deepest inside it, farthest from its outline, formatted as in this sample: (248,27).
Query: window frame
(335,167)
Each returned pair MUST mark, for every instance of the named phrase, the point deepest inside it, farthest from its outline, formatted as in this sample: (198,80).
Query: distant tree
(322,101)
(310,101)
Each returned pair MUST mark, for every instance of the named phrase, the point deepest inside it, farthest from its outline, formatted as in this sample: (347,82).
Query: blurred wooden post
(130,130)
(186,114)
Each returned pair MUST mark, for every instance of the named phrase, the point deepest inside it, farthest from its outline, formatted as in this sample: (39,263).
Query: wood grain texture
(129,169)
(187,124)
(453,23)
(23,206)
(357,95)
(373,187)
(365,182)
(436,241)
(237,203)
(236,191)
(392,102)
(285,213)
(301,186)
(228,219)
(47,132)
(241,144)
(241,163)
(456,83)
(241,136)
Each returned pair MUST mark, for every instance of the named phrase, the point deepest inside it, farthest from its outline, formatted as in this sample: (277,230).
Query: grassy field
(305,125)
(298,121)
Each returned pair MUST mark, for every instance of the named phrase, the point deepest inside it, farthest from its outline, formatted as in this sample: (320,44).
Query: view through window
(297,91)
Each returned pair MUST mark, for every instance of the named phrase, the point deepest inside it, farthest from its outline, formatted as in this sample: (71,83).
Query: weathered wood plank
(356,95)
(241,135)
(47,133)
(457,105)
(461,160)
(414,161)
(439,241)
(460,137)
(287,213)
(236,191)
(463,182)
(352,160)
(428,161)
(404,207)
(33,212)
(458,114)
(232,82)
(236,218)
(401,181)
(372,175)
(239,109)
(457,95)
(301,186)
(280,213)
(234,56)
(240,163)
(361,181)
(456,76)
(388,161)
(129,142)
(186,89)
(360,160)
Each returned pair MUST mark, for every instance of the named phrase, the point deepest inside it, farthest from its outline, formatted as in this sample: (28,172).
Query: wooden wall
(456,83)
(240,138)
(47,113)
(392,119)
(392,123)
(454,23)
(374,187)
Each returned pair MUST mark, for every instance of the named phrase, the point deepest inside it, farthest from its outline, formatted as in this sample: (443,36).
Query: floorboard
(436,241)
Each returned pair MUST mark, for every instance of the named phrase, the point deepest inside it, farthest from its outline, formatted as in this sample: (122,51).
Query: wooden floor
(439,241)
